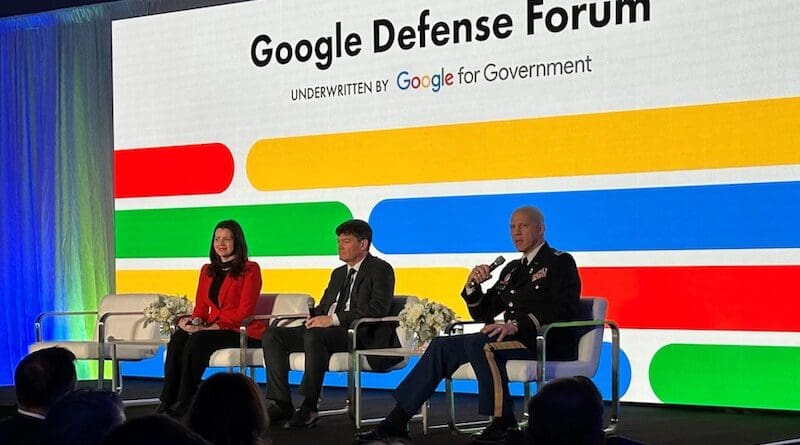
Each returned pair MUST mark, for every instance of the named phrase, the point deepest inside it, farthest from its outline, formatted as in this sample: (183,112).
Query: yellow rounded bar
(739,134)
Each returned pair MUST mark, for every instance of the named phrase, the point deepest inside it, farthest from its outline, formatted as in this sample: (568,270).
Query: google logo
(435,82)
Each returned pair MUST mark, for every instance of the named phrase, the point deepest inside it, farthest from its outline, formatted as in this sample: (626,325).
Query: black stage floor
(650,424)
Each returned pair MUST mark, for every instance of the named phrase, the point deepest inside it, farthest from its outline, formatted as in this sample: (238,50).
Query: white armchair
(119,319)
(592,312)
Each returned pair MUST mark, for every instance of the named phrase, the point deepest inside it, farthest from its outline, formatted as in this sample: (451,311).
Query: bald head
(535,216)
(527,228)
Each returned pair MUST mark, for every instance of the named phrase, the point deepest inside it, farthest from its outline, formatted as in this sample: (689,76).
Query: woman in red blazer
(226,294)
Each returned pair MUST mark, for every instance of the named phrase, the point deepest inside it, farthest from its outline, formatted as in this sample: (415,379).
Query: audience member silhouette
(83,417)
(153,430)
(41,379)
(229,410)
(566,411)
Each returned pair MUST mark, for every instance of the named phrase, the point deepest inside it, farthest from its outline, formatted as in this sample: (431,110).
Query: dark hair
(229,410)
(239,250)
(153,430)
(566,410)
(356,227)
(83,417)
(44,376)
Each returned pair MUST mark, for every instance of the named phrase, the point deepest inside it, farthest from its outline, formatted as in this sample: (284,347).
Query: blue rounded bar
(736,216)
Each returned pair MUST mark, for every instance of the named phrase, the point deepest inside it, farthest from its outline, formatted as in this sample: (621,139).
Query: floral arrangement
(425,319)
(165,310)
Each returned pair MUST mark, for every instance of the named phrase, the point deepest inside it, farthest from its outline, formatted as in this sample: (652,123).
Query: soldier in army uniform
(540,288)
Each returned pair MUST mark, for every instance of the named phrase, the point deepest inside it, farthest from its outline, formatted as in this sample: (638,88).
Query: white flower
(165,310)
(425,319)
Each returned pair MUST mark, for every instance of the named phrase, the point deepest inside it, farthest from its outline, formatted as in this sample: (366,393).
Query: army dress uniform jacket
(548,289)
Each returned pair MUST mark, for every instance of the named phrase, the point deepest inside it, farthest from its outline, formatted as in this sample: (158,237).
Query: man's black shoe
(303,418)
(380,434)
(278,414)
(496,432)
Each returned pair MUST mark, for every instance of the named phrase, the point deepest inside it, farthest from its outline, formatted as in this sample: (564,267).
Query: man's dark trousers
(443,357)
(318,345)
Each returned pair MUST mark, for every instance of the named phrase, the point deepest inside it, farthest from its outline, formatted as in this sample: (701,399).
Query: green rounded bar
(271,229)
(727,375)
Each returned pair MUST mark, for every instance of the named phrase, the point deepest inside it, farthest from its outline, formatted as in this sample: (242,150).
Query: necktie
(344,293)
(521,273)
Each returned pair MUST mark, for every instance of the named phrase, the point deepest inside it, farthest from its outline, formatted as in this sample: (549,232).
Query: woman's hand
(190,328)
(184,323)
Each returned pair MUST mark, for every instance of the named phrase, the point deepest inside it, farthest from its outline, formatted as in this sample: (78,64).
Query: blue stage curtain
(56,189)
(56,155)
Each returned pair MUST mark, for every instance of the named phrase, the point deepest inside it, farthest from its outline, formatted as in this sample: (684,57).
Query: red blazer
(237,300)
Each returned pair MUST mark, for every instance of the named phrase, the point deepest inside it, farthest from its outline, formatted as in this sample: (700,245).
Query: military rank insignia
(541,273)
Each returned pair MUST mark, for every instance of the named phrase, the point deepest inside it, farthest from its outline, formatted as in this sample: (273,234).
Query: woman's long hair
(239,250)
(229,410)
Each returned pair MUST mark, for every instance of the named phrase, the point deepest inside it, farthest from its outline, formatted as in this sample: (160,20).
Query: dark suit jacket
(21,429)
(237,300)
(371,296)
(548,289)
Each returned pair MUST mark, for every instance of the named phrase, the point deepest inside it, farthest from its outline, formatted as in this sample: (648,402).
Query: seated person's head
(357,228)
(43,377)
(566,411)
(153,430)
(229,410)
(83,417)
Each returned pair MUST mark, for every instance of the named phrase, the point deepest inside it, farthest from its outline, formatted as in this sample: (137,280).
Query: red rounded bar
(168,171)
(737,298)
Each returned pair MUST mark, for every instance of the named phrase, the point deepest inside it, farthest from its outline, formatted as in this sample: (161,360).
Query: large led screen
(660,139)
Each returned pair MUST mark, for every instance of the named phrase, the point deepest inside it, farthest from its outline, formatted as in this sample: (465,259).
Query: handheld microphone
(310,303)
(497,262)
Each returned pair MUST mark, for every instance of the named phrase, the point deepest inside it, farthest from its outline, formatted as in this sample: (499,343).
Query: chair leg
(100,377)
(527,397)
(462,427)
(425,421)
(614,420)
(116,378)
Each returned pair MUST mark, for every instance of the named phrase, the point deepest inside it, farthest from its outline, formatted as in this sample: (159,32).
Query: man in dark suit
(41,379)
(541,287)
(363,287)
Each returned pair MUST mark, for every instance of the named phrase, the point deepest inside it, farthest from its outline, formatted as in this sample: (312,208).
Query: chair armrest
(114,343)
(101,323)
(37,324)
(575,324)
(101,334)
(352,331)
(108,315)
(246,322)
(541,339)
(274,317)
(450,329)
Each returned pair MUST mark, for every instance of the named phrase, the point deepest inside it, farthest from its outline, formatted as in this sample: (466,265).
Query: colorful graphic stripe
(170,171)
(740,134)
(727,375)
(669,218)
(737,298)
(271,229)
(438,283)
